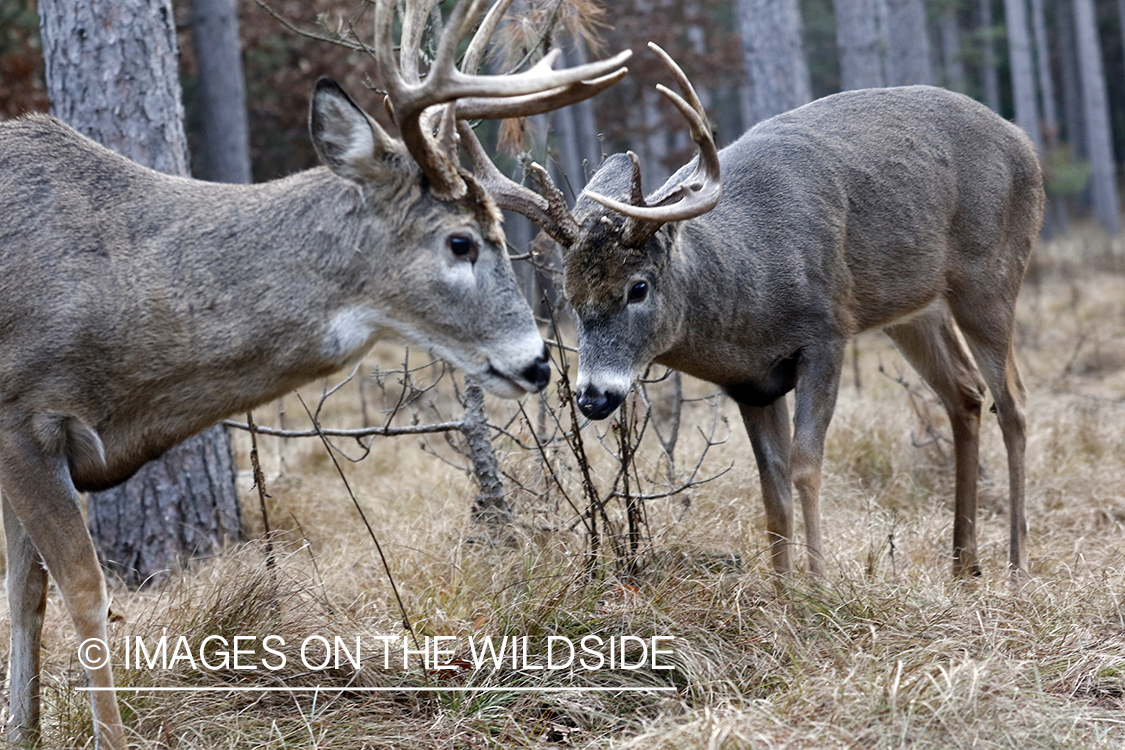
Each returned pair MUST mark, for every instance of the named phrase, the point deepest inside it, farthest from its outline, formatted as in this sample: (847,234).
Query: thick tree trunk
(857,36)
(1023,71)
(1099,144)
(988,63)
(225,154)
(908,58)
(123,90)
(773,54)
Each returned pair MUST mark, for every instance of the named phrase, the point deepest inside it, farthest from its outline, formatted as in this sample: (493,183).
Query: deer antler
(696,195)
(409,96)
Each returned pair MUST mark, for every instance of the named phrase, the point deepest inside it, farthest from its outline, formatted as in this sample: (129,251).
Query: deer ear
(346,139)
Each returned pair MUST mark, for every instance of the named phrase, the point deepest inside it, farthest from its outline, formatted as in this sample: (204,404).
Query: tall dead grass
(886,652)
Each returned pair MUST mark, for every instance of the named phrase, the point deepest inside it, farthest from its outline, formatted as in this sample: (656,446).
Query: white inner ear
(360,141)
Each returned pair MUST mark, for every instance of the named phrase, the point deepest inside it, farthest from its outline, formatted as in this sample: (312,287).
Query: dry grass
(887,652)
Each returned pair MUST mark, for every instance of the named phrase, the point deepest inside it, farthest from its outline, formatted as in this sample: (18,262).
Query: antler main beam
(539,89)
(696,195)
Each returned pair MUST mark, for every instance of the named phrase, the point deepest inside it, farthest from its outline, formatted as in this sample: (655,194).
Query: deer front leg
(26,582)
(40,499)
(818,382)
(768,428)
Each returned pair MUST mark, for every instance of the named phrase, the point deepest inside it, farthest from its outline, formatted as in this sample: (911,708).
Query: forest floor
(886,651)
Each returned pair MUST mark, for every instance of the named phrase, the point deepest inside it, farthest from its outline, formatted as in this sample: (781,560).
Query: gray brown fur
(907,209)
(137,309)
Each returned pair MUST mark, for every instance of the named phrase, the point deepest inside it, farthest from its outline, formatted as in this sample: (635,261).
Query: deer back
(843,215)
(137,308)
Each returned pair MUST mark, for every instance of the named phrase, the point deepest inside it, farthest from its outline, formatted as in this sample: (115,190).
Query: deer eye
(463,247)
(638,291)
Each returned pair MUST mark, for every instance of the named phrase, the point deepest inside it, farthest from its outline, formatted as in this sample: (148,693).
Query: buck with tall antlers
(908,209)
(137,309)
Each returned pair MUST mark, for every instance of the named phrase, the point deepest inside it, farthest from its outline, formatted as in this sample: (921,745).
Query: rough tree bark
(1095,105)
(112,74)
(908,56)
(1023,71)
(857,36)
(773,54)
(225,149)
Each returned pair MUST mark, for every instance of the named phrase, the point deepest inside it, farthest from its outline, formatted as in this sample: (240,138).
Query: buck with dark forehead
(138,308)
(913,210)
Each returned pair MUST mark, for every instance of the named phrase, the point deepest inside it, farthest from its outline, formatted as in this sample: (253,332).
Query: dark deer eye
(638,291)
(463,247)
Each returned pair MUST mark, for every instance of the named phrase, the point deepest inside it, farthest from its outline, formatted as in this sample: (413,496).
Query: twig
(370,531)
(260,483)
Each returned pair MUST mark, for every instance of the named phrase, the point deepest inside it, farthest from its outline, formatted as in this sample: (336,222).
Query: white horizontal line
(233,689)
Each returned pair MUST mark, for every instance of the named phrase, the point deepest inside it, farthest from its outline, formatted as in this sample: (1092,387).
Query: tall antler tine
(414,18)
(474,55)
(549,210)
(678,73)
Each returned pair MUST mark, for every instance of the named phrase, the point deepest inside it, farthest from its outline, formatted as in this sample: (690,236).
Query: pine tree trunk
(857,36)
(1043,68)
(1099,143)
(1071,81)
(908,58)
(988,63)
(773,54)
(1023,71)
(952,64)
(123,90)
(225,154)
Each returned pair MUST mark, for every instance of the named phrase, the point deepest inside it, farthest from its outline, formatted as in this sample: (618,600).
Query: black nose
(597,405)
(539,374)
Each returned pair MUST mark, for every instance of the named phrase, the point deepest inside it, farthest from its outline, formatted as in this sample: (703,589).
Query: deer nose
(597,404)
(539,373)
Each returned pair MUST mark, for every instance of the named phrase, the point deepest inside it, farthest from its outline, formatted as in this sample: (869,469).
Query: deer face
(627,308)
(441,276)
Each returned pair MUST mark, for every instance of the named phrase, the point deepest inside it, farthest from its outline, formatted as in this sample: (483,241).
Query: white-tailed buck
(913,210)
(137,309)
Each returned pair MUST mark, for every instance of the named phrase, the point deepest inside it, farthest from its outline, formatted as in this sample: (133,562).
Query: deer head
(457,291)
(617,244)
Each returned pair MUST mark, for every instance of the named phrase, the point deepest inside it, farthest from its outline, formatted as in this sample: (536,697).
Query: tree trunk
(772,51)
(1099,144)
(908,58)
(123,90)
(1023,71)
(490,506)
(952,64)
(857,36)
(222,92)
(1071,81)
(1043,67)
(988,63)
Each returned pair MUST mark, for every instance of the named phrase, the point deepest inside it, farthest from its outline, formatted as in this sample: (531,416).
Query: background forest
(1055,66)
(886,652)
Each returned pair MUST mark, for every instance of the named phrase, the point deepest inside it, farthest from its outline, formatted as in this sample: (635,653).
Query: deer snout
(596,403)
(538,373)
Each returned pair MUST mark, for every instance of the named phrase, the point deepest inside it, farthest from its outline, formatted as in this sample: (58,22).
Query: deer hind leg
(768,428)
(988,322)
(932,347)
(818,383)
(26,581)
(40,499)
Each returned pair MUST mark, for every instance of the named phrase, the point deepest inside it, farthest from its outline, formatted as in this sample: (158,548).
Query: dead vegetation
(886,652)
